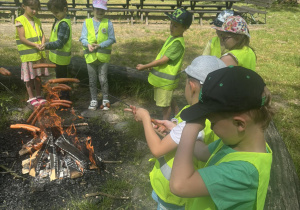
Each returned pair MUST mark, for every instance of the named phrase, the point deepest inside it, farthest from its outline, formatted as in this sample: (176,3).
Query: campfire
(55,150)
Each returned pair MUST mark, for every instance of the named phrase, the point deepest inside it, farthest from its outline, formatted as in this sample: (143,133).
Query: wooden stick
(12,172)
(105,194)
(111,161)
(76,125)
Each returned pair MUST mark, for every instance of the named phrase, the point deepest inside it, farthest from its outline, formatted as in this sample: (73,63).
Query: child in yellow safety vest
(214,46)
(235,37)
(60,41)
(165,69)
(164,150)
(30,38)
(97,37)
(237,170)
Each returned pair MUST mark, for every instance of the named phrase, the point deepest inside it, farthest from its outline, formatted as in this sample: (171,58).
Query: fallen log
(284,186)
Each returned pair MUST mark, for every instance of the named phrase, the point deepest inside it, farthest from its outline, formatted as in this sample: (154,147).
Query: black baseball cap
(182,16)
(230,89)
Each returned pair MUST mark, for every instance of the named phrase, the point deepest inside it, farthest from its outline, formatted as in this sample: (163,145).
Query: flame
(79,165)
(91,149)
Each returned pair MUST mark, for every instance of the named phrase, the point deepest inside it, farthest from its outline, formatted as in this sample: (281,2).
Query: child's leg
(167,112)
(102,74)
(61,71)
(29,87)
(174,107)
(37,85)
(92,70)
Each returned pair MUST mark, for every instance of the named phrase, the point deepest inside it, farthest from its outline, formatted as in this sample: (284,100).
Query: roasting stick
(43,65)
(107,195)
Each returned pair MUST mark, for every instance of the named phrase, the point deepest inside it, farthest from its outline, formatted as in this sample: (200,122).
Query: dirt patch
(108,132)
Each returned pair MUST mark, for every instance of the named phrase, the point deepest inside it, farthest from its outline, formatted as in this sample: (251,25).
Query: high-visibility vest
(166,76)
(215,47)
(101,54)
(28,53)
(61,56)
(261,161)
(161,172)
(245,57)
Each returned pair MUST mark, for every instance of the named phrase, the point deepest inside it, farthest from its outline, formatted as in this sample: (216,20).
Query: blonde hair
(264,114)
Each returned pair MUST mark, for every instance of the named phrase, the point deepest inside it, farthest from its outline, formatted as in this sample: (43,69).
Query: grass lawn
(276,45)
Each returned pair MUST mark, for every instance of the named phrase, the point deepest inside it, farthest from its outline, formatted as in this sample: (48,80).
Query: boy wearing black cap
(237,172)
(165,69)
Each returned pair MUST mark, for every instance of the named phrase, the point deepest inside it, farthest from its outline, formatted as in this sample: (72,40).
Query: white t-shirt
(177,131)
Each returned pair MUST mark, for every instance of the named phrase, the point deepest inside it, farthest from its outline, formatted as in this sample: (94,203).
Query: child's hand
(140,67)
(42,47)
(139,113)
(167,126)
(37,46)
(95,46)
(91,48)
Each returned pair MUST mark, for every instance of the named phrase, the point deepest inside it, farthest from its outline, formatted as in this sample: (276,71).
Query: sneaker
(41,100)
(106,105)
(93,104)
(34,102)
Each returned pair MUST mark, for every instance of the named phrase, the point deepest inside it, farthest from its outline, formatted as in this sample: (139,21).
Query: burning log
(35,164)
(72,150)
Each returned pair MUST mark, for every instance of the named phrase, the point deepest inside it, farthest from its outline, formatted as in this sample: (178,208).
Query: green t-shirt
(174,52)
(230,183)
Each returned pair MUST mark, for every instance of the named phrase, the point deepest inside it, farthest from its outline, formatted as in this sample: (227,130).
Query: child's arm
(63,35)
(21,32)
(154,63)
(185,180)
(157,146)
(229,60)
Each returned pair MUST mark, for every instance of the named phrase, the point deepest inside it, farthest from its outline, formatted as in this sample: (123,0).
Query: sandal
(41,100)
(34,102)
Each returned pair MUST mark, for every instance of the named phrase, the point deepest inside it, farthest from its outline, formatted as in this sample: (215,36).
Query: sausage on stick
(4,72)
(62,80)
(43,65)
(27,127)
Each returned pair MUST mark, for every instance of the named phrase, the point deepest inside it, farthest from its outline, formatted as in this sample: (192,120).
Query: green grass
(278,61)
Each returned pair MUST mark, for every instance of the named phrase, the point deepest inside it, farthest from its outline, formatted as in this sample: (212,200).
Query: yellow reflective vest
(245,57)
(28,53)
(261,161)
(166,76)
(61,56)
(215,47)
(101,54)
(161,172)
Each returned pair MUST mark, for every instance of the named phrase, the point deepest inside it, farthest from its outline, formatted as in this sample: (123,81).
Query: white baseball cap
(202,66)
(100,4)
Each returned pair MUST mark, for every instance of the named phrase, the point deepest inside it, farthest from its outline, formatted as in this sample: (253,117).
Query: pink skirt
(28,73)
